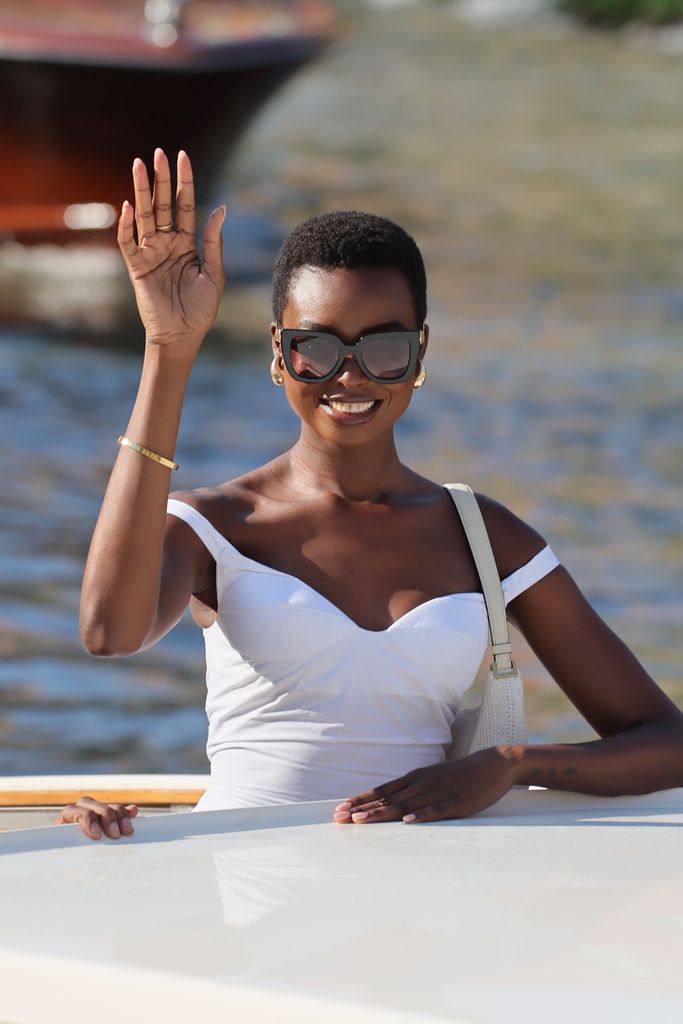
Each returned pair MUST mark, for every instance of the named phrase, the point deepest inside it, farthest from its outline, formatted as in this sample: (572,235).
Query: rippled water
(539,170)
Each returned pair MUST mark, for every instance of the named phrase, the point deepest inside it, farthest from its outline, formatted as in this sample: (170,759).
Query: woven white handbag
(500,716)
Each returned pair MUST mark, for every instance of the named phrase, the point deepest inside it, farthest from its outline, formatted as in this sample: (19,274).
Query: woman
(340,600)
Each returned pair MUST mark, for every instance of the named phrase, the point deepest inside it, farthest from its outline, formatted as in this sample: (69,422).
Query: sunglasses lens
(313,355)
(387,355)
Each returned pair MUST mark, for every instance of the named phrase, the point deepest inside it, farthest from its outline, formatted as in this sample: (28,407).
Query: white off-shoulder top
(304,704)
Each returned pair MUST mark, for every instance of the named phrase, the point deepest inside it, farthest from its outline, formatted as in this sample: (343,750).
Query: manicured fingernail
(95,831)
(223,210)
(126,826)
(114,830)
(341,815)
(343,806)
(409,817)
(360,815)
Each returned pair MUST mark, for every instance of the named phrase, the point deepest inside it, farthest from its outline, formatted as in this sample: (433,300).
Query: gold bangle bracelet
(125,443)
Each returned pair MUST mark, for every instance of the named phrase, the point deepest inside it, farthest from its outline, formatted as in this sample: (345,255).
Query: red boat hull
(71,125)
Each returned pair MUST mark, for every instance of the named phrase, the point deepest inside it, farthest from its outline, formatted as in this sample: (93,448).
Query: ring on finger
(165,227)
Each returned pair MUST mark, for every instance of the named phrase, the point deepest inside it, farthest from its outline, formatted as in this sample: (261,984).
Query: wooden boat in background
(89,85)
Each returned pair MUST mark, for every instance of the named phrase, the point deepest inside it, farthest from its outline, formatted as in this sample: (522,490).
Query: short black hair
(349,239)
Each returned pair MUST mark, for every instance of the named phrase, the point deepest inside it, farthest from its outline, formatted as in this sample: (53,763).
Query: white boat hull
(547,907)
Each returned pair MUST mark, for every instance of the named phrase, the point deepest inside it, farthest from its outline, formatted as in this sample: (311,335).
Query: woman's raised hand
(176,293)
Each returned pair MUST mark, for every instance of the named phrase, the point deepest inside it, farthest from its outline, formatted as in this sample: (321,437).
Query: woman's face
(350,304)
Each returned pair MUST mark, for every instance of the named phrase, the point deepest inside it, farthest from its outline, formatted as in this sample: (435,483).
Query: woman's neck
(355,474)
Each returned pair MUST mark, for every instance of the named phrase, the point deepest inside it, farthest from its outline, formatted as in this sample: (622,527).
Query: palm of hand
(174,294)
(177,295)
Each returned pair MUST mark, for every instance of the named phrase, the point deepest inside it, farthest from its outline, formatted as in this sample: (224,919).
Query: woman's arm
(641,731)
(177,296)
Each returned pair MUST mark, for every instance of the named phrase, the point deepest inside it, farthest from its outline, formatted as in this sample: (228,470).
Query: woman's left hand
(450,789)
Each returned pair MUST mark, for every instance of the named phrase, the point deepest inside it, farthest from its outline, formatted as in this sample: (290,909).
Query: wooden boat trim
(57,790)
(59,797)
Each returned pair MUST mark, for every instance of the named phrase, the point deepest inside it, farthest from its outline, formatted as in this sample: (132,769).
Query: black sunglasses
(388,357)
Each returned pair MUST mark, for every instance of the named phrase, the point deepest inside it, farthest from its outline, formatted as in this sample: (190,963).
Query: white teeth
(351,406)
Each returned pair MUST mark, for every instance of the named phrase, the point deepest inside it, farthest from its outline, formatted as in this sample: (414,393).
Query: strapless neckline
(218,545)
(334,608)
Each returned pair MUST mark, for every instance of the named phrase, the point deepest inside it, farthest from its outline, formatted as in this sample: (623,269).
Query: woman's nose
(350,373)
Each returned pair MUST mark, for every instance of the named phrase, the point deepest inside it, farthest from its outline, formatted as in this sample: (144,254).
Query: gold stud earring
(276,374)
(421,378)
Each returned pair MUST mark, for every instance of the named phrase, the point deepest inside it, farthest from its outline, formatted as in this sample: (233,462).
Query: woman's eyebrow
(312,325)
(392,325)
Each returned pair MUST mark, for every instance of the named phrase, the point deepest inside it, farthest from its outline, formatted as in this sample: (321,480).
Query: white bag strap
(478,539)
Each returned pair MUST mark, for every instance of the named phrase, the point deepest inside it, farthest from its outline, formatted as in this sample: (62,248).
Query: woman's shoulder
(229,505)
(224,506)
(214,502)
(513,540)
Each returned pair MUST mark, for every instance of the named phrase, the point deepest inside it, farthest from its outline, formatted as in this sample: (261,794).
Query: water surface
(539,169)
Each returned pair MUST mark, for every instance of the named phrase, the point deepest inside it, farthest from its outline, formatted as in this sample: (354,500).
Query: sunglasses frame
(285,336)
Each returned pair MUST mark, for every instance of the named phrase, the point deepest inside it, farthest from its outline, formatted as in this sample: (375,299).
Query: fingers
(401,798)
(378,810)
(185,211)
(384,803)
(380,795)
(161,198)
(449,809)
(124,813)
(144,214)
(72,814)
(388,808)
(406,810)
(370,815)
(212,255)
(124,235)
(83,816)
(96,818)
(379,792)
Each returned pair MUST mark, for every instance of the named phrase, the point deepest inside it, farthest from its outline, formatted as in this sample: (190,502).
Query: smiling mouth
(354,405)
(350,410)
